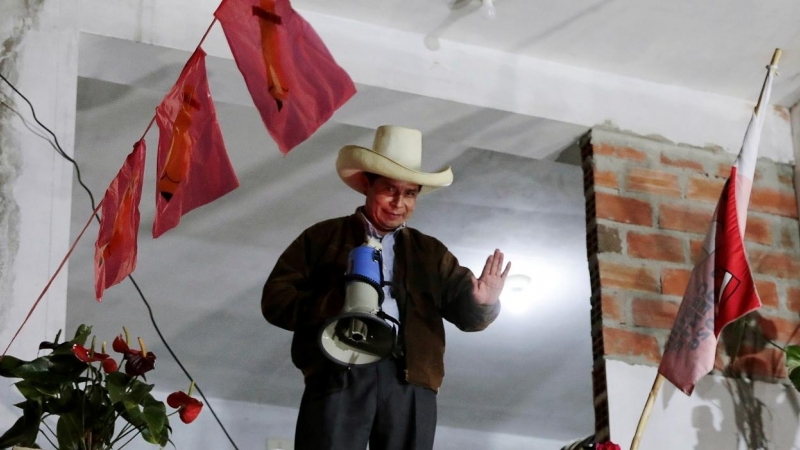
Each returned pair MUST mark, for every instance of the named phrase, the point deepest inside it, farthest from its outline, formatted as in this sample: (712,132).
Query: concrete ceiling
(529,373)
(710,46)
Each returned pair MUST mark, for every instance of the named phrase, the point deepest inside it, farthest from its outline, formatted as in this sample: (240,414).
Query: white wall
(710,419)
(44,63)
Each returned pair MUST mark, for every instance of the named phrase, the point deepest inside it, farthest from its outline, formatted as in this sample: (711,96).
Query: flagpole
(648,407)
(770,68)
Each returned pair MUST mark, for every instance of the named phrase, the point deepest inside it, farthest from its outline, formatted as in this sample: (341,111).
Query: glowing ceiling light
(517,297)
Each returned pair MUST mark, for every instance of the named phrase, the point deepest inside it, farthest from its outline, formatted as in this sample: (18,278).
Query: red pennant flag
(115,249)
(193,167)
(294,81)
(721,288)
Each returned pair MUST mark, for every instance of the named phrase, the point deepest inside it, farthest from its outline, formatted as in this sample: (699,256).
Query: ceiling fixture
(516,296)
(487,9)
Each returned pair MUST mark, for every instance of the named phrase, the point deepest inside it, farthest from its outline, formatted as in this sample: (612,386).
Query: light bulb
(487,9)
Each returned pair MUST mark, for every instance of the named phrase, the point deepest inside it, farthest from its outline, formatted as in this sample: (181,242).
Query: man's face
(390,202)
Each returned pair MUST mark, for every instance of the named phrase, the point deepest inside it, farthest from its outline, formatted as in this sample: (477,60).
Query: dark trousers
(346,409)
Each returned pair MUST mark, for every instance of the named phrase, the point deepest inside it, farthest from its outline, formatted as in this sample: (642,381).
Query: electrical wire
(55,144)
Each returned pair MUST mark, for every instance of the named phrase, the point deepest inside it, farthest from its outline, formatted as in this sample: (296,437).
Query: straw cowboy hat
(396,153)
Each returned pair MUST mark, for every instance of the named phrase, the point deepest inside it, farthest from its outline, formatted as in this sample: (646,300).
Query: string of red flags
(296,86)
(294,81)
(193,167)
(116,245)
(721,288)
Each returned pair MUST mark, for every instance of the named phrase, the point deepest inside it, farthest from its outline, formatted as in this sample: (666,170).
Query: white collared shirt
(389,305)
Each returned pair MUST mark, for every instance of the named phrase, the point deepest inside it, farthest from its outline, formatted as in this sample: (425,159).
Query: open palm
(487,288)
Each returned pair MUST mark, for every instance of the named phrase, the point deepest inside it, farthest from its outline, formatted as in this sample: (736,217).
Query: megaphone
(359,334)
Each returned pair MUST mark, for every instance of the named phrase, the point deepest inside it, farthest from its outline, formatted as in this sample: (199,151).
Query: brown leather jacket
(306,288)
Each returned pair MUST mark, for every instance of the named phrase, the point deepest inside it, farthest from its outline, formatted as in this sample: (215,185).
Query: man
(390,404)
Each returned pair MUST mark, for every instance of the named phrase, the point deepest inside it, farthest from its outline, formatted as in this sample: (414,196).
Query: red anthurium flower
(137,362)
(119,345)
(607,446)
(87,356)
(109,365)
(188,407)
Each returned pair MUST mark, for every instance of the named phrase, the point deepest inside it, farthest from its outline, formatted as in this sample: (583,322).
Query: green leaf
(53,369)
(82,334)
(147,414)
(70,431)
(792,357)
(26,428)
(9,366)
(794,376)
(116,383)
(155,415)
(36,391)
(138,391)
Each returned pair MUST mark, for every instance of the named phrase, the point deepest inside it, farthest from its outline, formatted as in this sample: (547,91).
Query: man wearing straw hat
(390,404)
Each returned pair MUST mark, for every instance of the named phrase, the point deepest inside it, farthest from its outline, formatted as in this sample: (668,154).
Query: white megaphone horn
(359,335)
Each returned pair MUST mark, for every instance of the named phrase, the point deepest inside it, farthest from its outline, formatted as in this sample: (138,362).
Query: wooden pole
(773,65)
(637,437)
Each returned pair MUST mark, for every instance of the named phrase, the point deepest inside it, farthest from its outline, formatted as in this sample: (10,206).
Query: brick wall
(649,205)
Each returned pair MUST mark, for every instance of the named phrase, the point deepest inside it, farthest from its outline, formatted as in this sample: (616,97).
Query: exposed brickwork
(619,152)
(654,313)
(758,229)
(696,252)
(779,328)
(631,343)
(789,234)
(774,202)
(641,179)
(768,292)
(674,281)
(694,165)
(631,277)
(612,308)
(623,209)
(657,246)
(704,189)
(765,362)
(680,217)
(649,206)
(793,299)
(775,263)
(608,240)
(606,178)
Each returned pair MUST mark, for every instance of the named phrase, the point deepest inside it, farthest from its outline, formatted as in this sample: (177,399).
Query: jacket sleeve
(287,292)
(458,304)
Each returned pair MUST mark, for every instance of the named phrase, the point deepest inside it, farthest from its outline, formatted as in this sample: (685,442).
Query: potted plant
(83,393)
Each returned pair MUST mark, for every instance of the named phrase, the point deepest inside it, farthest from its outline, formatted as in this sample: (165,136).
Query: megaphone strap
(388,318)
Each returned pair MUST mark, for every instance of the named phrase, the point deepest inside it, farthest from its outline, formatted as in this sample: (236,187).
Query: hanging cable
(55,144)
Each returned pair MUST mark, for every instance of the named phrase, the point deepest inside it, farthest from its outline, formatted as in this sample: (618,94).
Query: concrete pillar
(39,55)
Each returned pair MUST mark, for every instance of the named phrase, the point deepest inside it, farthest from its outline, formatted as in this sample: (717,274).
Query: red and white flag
(193,167)
(295,83)
(721,287)
(116,245)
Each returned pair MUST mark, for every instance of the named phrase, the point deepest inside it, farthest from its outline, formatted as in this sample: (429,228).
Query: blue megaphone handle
(364,264)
